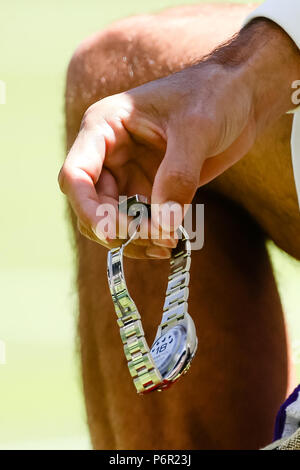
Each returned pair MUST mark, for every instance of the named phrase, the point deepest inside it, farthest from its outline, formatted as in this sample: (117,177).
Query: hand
(166,138)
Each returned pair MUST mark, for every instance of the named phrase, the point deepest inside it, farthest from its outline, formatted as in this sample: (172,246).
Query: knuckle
(89,117)
(183,183)
(62,180)
(65,178)
(182,178)
(201,119)
(95,114)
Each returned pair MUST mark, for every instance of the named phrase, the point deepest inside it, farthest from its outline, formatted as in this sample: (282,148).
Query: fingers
(153,243)
(139,249)
(91,189)
(80,173)
(175,184)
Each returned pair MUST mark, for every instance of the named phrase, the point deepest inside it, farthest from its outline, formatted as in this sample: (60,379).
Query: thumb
(175,184)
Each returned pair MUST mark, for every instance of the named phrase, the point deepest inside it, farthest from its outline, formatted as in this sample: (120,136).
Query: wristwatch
(175,344)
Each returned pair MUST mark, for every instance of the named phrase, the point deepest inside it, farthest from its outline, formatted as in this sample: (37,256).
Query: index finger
(81,171)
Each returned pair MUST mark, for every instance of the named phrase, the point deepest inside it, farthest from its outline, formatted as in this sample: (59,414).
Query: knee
(91,62)
(106,63)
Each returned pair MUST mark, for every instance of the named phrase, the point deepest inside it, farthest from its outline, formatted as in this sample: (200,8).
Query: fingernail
(168,243)
(170,215)
(158,252)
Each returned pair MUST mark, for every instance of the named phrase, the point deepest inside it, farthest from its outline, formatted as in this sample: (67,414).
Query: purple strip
(281,415)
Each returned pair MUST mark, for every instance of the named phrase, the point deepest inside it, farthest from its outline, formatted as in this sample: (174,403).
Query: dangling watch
(175,344)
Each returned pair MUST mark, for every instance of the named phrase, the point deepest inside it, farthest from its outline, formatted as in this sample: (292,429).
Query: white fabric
(286,13)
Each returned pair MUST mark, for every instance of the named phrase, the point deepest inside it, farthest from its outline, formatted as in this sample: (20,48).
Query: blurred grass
(41,404)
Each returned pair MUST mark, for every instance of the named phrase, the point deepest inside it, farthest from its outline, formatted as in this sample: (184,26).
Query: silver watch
(175,344)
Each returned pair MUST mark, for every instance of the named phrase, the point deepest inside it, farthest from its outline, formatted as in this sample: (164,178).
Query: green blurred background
(41,403)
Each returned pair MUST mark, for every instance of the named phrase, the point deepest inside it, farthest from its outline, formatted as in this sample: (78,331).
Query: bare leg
(239,376)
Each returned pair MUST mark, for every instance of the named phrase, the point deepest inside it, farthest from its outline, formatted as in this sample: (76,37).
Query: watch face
(168,348)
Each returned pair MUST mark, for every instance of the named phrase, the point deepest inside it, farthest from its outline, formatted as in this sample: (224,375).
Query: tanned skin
(178,149)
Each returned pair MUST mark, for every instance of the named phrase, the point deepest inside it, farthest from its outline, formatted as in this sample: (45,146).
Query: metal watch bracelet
(175,343)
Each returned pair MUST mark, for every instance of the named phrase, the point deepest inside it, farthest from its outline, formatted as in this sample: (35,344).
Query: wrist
(268,61)
(275,66)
